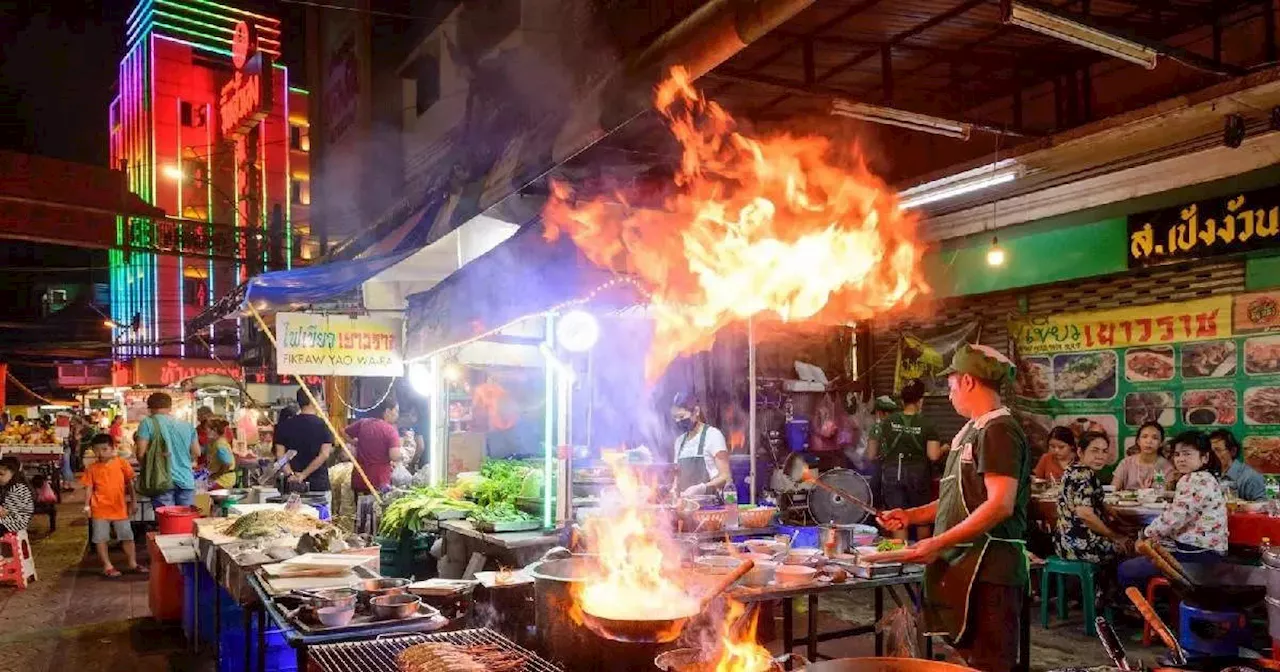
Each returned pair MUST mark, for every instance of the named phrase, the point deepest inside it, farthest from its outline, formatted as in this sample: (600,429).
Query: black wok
(659,630)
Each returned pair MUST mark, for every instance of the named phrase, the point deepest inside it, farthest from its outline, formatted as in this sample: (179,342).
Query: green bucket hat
(981,362)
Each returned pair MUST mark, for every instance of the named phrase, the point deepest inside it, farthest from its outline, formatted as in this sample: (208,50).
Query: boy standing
(108,481)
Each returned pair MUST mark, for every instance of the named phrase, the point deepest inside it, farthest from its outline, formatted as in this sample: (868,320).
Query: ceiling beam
(893,41)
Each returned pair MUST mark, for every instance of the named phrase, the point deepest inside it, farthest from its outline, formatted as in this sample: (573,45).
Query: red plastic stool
(16,563)
(1152,585)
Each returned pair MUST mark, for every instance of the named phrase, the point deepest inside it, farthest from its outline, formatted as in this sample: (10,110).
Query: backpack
(155,478)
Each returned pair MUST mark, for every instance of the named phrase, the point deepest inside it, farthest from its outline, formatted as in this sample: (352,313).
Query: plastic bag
(901,633)
(46,495)
(400,476)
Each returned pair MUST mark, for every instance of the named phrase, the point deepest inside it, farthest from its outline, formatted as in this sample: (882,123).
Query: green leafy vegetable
(408,511)
(887,545)
(501,512)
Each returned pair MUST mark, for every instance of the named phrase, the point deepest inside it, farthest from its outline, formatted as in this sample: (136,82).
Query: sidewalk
(73,618)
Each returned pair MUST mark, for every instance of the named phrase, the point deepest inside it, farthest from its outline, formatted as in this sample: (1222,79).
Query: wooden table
(512,549)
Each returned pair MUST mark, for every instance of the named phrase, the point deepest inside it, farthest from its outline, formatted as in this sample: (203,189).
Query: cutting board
(282,585)
(334,562)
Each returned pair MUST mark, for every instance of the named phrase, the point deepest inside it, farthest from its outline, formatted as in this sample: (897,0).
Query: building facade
(207,127)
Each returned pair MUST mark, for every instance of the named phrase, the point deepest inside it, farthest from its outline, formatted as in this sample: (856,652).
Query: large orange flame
(638,560)
(739,651)
(793,226)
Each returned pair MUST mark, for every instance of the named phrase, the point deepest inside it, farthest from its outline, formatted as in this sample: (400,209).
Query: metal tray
(878,571)
(364,620)
(509,525)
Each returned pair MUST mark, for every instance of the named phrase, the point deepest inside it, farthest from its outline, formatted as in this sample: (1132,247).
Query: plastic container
(805,537)
(164,585)
(740,472)
(177,519)
(797,433)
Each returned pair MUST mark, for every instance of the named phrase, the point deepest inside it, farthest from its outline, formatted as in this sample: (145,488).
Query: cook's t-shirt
(687,446)
(375,438)
(306,434)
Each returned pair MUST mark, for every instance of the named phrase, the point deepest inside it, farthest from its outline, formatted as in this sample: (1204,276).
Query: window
(299,138)
(300,191)
(427,73)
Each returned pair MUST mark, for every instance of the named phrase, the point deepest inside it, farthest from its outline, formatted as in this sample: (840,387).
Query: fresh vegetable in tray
(407,511)
(501,512)
(889,545)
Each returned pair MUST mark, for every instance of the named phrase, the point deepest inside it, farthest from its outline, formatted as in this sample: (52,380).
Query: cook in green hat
(886,404)
(976,570)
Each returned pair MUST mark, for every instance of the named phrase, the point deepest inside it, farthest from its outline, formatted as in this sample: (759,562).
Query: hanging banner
(338,345)
(1212,227)
(924,354)
(1199,320)
(1194,380)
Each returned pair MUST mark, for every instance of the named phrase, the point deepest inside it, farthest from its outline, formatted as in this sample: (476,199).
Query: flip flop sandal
(112,573)
(138,570)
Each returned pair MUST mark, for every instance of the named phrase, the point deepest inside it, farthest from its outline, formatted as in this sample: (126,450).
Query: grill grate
(379,655)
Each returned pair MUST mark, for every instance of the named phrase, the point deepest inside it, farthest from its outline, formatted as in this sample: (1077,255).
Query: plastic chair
(1213,633)
(1152,586)
(1060,569)
(17,566)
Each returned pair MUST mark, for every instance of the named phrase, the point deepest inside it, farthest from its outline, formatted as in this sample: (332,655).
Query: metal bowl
(333,597)
(371,588)
(335,617)
(397,606)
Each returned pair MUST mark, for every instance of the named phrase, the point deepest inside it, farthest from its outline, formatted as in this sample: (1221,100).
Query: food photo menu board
(1204,364)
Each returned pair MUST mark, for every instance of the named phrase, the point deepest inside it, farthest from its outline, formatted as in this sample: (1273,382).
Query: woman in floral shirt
(1082,532)
(1194,526)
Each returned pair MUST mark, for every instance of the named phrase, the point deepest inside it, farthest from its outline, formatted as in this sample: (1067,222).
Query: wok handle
(1172,562)
(1157,624)
(724,583)
(1148,550)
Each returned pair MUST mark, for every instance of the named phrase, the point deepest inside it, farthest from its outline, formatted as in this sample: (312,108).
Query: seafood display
(1262,355)
(1262,406)
(1148,364)
(1088,375)
(1143,407)
(1263,453)
(1209,407)
(1033,380)
(1214,359)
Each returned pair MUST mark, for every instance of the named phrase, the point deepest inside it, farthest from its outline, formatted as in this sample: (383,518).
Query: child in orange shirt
(107,482)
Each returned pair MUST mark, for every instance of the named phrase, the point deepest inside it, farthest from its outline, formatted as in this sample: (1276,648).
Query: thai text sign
(338,345)
(167,371)
(246,98)
(1242,223)
(1199,320)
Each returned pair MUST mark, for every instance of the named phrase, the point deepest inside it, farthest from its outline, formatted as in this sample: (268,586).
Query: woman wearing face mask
(1139,471)
(1060,456)
(702,456)
(1194,526)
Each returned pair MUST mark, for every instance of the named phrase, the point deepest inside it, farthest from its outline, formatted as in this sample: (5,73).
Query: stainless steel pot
(392,607)
(839,539)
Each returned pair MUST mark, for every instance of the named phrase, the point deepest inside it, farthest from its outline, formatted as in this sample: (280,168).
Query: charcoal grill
(379,655)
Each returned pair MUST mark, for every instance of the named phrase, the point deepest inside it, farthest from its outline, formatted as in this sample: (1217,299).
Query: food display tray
(509,525)
(362,620)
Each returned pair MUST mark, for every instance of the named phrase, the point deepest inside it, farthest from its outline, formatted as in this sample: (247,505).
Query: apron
(948,581)
(220,472)
(907,421)
(693,469)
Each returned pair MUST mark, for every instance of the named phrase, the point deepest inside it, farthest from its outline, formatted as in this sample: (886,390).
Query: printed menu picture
(1034,378)
(1202,408)
(1262,453)
(1210,359)
(1262,406)
(1085,375)
(1262,355)
(1144,407)
(1143,365)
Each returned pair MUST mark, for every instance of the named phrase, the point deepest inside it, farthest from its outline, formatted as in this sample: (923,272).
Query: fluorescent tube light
(1057,26)
(901,118)
(966,182)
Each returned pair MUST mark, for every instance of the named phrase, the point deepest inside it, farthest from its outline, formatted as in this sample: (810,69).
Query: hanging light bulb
(452,371)
(995,255)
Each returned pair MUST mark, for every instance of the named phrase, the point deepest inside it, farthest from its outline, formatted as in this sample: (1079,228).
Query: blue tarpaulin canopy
(525,275)
(298,287)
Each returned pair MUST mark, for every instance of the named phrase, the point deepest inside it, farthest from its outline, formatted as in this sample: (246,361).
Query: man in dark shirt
(308,435)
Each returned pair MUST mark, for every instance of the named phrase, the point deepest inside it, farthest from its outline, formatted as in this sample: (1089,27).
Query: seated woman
(16,503)
(1249,484)
(1058,458)
(1194,526)
(1138,471)
(1082,531)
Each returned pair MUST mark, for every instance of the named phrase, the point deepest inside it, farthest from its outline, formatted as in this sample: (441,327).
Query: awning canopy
(522,277)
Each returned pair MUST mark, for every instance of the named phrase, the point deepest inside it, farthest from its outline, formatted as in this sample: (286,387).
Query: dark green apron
(693,469)
(949,580)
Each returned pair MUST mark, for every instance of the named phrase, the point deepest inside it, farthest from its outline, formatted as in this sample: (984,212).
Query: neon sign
(246,99)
